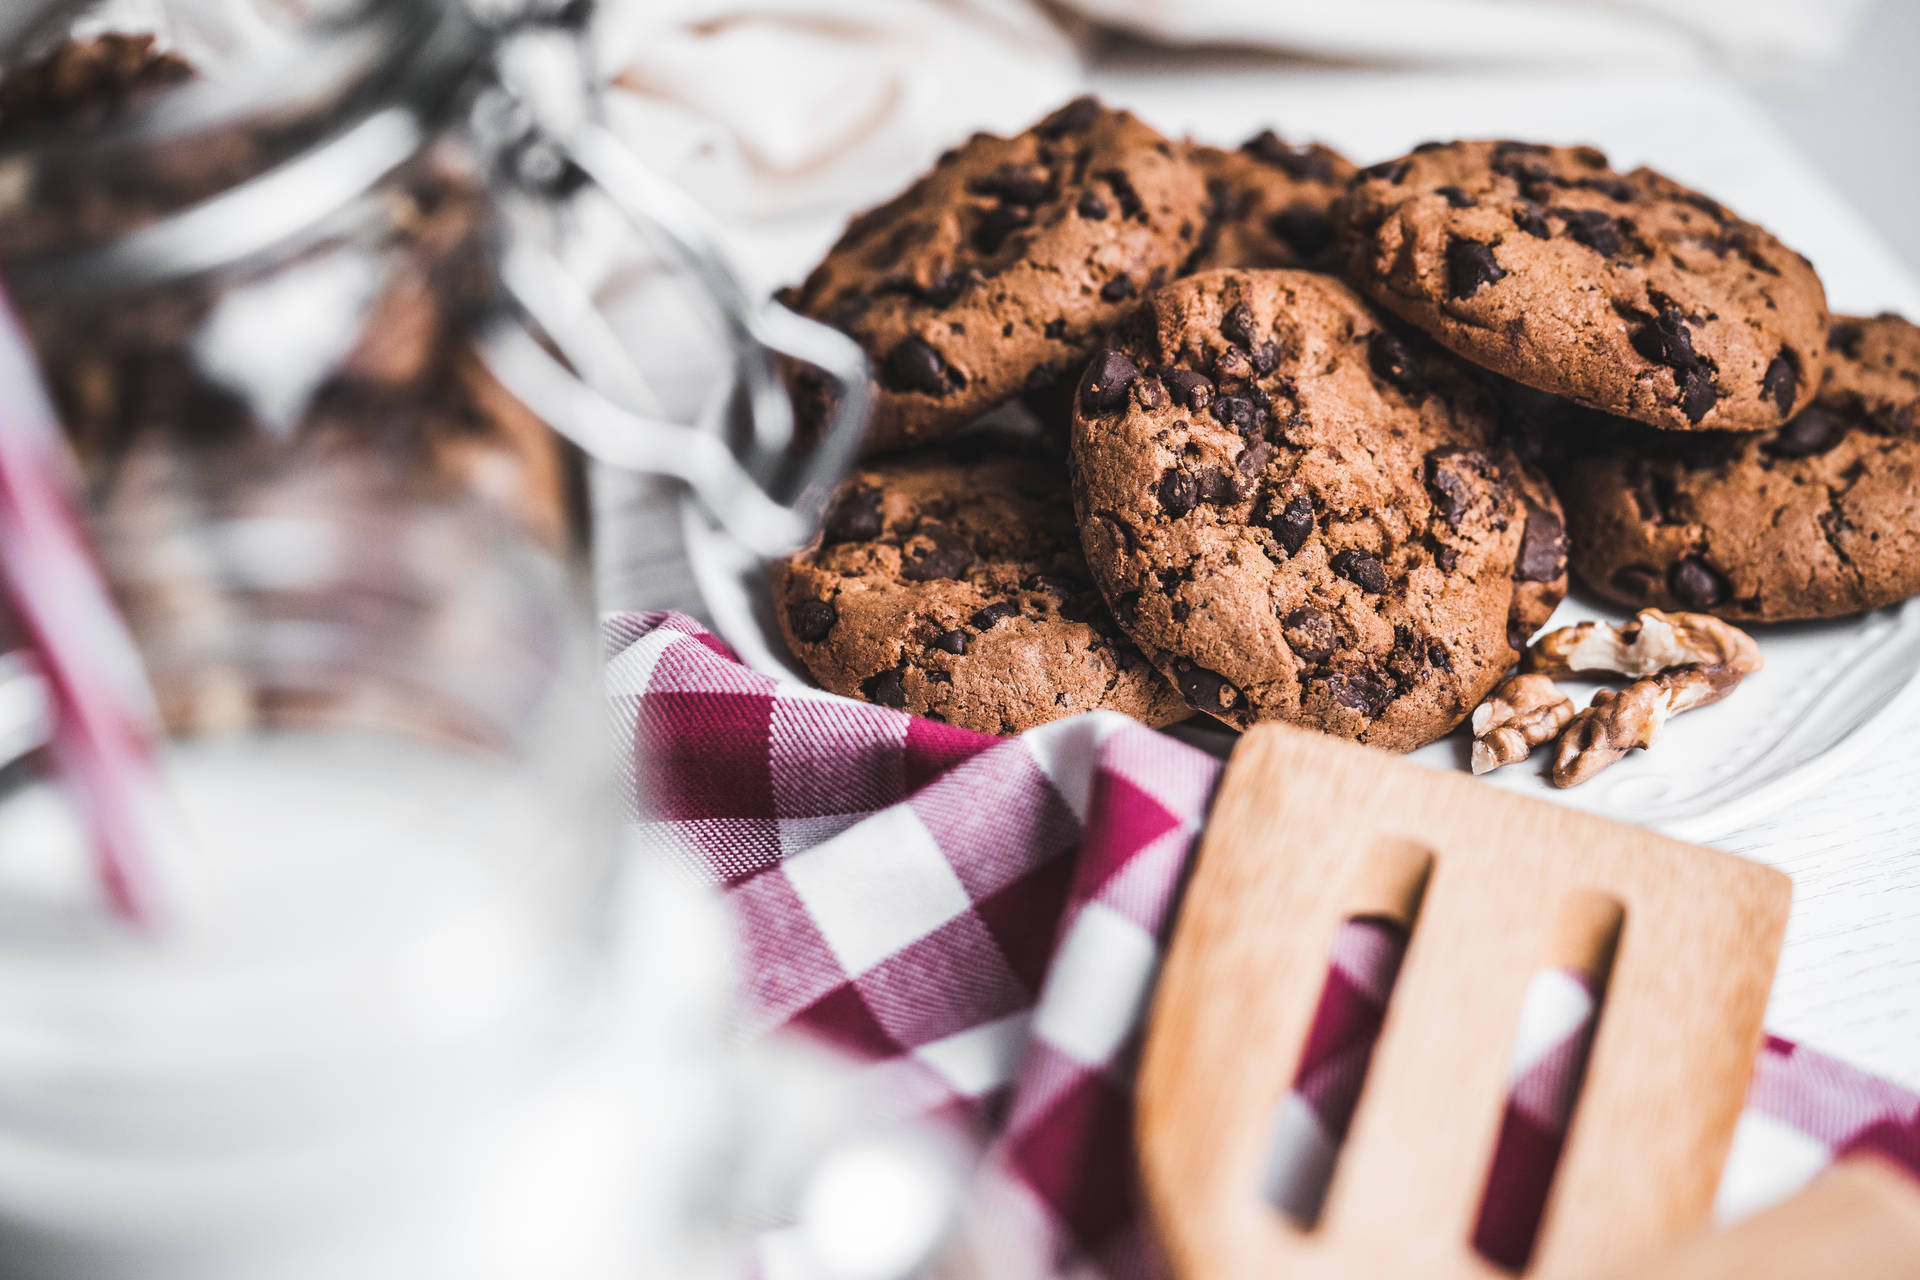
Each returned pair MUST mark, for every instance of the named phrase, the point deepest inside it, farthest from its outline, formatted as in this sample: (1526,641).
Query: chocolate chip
(1781,382)
(1178,493)
(1667,340)
(946,291)
(1126,609)
(1528,217)
(1118,289)
(1266,358)
(1238,412)
(1015,184)
(1543,547)
(1636,581)
(1844,336)
(1812,430)
(1394,171)
(946,555)
(984,619)
(1055,330)
(1293,523)
(1238,327)
(1305,164)
(1362,568)
(1450,491)
(1131,206)
(889,688)
(1360,693)
(1072,118)
(811,620)
(1707,205)
(1190,390)
(1252,461)
(1698,395)
(912,365)
(1105,389)
(954,642)
(1091,205)
(1308,231)
(1310,634)
(1152,394)
(1470,265)
(1592,228)
(1697,584)
(1445,557)
(1392,362)
(1455,197)
(854,518)
(1204,690)
(1180,610)
(996,224)
(1218,487)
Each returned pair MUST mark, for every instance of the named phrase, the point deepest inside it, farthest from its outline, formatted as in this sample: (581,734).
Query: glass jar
(418,1016)
(379,235)
(279,263)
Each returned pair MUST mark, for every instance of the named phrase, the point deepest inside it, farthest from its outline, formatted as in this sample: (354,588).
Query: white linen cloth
(797,107)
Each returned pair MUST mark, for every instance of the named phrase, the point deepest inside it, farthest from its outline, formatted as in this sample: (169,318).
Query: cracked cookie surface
(998,271)
(1301,513)
(1623,292)
(1819,519)
(950,583)
(1271,203)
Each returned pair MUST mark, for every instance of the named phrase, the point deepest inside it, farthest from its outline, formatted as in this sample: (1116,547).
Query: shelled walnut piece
(1522,712)
(1681,661)
(1653,642)
(1617,721)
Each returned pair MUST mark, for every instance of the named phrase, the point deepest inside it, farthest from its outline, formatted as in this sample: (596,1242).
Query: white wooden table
(1849,984)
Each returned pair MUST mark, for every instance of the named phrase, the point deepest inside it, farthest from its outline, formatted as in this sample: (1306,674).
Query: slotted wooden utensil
(1859,1219)
(1308,832)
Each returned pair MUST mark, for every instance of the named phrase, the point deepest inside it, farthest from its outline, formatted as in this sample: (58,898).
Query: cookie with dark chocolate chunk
(1271,203)
(1818,519)
(999,270)
(949,582)
(1302,512)
(1623,292)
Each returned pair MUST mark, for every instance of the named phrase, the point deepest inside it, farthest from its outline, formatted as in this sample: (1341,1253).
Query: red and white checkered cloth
(981,921)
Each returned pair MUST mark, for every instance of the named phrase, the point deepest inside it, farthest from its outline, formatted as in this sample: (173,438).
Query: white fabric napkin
(782,108)
(793,106)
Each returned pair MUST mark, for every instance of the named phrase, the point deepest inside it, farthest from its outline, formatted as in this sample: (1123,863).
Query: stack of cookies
(1318,444)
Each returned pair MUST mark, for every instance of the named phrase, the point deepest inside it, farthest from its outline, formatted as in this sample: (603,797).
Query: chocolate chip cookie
(1816,520)
(1271,203)
(950,582)
(1301,513)
(1628,293)
(999,270)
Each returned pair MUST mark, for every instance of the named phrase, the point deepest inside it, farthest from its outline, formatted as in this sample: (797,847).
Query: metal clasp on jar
(743,457)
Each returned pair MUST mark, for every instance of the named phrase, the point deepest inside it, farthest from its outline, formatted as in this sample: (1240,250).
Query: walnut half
(1522,712)
(1653,642)
(1618,721)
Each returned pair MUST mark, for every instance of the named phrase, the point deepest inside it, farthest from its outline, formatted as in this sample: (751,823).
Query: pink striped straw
(105,722)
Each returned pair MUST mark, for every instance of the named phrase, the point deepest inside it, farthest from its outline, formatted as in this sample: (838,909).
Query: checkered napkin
(980,921)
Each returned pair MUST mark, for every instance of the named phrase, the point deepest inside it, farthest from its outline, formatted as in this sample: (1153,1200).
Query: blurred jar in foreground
(419,1017)
(273,260)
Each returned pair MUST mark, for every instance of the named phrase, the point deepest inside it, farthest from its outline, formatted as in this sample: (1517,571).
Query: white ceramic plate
(1826,691)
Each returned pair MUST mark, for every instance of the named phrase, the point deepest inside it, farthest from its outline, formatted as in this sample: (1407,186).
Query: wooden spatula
(1859,1220)
(1308,832)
